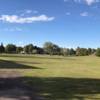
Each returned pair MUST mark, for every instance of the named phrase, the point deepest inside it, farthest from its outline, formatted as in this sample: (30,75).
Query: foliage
(98,52)
(81,51)
(10,48)
(48,48)
(19,49)
(28,48)
(51,48)
(2,48)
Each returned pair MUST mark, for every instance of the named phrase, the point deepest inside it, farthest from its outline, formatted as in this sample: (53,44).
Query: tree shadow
(57,88)
(5,64)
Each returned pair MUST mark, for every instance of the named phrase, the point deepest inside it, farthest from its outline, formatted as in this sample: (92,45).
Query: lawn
(50,77)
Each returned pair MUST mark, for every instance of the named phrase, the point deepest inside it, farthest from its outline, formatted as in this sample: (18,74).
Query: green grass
(57,77)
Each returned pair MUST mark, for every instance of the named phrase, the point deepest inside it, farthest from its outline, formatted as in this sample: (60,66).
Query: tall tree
(2,48)
(10,48)
(28,48)
(81,51)
(72,51)
(51,48)
(89,51)
(19,49)
(98,52)
(65,51)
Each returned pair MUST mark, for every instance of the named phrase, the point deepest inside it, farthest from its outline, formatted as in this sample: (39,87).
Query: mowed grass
(57,66)
(56,77)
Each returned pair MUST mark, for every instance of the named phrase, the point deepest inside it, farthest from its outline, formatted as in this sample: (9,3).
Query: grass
(53,77)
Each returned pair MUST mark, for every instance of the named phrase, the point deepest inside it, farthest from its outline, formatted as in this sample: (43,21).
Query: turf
(52,77)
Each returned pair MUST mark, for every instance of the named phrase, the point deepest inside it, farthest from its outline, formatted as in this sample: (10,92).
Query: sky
(67,23)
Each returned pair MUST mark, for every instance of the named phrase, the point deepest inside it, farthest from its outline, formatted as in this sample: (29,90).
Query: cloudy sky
(68,23)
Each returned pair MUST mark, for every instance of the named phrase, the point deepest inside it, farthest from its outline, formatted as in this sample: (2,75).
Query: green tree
(72,51)
(89,51)
(51,48)
(19,49)
(93,51)
(81,51)
(2,48)
(65,51)
(10,48)
(48,47)
(28,48)
(98,52)
(78,50)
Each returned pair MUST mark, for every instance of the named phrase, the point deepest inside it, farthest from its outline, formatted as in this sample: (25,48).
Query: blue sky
(68,23)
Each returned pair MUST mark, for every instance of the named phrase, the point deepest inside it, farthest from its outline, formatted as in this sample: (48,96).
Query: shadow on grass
(52,88)
(5,64)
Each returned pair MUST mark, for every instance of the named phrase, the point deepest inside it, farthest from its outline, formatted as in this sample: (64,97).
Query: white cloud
(28,11)
(68,13)
(66,0)
(13,29)
(72,0)
(35,11)
(21,20)
(88,2)
(84,14)
(18,29)
(77,0)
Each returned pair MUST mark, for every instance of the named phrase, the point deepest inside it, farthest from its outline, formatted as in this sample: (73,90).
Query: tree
(98,52)
(51,48)
(81,51)
(72,51)
(39,50)
(28,48)
(2,48)
(48,47)
(89,51)
(65,51)
(78,51)
(10,48)
(93,51)
(56,49)
(19,49)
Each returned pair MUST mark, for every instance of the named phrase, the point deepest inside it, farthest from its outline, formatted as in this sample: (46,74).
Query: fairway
(39,77)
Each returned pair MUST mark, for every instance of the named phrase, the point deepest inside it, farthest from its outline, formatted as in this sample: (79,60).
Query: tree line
(48,48)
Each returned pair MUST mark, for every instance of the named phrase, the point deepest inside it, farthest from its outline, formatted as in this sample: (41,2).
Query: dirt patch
(9,73)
